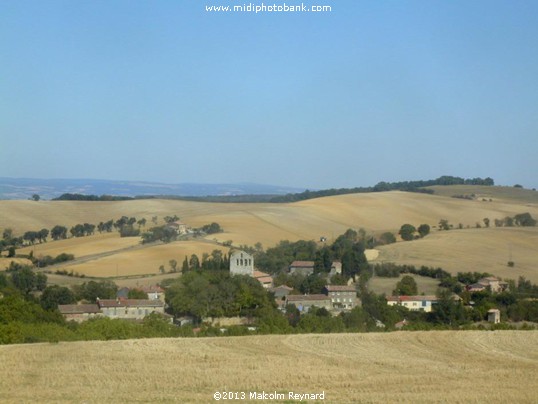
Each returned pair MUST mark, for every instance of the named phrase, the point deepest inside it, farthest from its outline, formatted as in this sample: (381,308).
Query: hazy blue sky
(165,91)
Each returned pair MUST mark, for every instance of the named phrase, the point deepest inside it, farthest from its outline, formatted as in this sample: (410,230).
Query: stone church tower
(241,263)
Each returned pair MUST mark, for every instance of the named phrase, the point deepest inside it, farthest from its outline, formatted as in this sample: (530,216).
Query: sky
(371,91)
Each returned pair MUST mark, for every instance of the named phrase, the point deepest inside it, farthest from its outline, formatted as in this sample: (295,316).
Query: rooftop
(285,287)
(411,298)
(259,274)
(302,264)
(78,308)
(152,289)
(341,288)
(302,298)
(129,303)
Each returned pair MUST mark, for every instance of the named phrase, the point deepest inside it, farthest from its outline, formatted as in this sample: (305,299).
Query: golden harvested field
(506,194)
(268,223)
(480,250)
(483,250)
(82,246)
(145,260)
(434,366)
(4,262)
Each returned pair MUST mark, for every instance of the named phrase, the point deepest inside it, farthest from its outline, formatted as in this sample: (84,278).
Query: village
(335,299)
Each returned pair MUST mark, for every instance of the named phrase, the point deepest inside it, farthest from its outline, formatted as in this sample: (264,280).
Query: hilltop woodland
(28,308)
(409,186)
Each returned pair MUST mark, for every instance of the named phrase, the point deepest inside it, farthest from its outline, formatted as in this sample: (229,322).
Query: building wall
(305,271)
(343,300)
(241,263)
(424,305)
(131,313)
(305,305)
(80,317)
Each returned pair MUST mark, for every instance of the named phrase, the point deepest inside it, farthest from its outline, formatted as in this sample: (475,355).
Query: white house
(415,303)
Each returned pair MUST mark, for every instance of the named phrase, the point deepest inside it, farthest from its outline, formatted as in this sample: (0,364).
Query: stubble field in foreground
(446,366)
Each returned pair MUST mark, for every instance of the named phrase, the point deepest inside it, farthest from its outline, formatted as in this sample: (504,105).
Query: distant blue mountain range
(24,188)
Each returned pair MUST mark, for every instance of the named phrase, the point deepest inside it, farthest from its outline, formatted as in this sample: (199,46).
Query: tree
(194,262)
(407,232)
(524,219)
(423,230)
(185,265)
(387,238)
(406,286)
(486,221)
(142,222)
(30,236)
(54,295)
(36,197)
(11,252)
(447,310)
(171,219)
(42,235)
(127,230)
(137,294)
(40,281)
(212,228)
(92,290)
(7,234)
(173,265)
(24,279)
(444,225)
(58,232)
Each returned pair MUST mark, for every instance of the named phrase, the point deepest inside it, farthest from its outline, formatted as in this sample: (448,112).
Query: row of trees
(414,186)
(408,231)
(522,219)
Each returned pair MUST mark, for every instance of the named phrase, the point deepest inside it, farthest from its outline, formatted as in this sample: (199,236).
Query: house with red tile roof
(263,278)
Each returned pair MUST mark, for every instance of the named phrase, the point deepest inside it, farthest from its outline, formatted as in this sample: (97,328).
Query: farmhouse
(305,302)
(179,227)
(343,297)
(491,283)
(301,267)
(131,309)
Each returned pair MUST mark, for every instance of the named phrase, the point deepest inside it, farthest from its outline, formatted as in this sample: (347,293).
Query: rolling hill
(248,223)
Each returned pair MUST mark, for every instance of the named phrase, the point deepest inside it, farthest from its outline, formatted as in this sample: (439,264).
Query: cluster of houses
(335,298)
(490,283)
(119,308)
